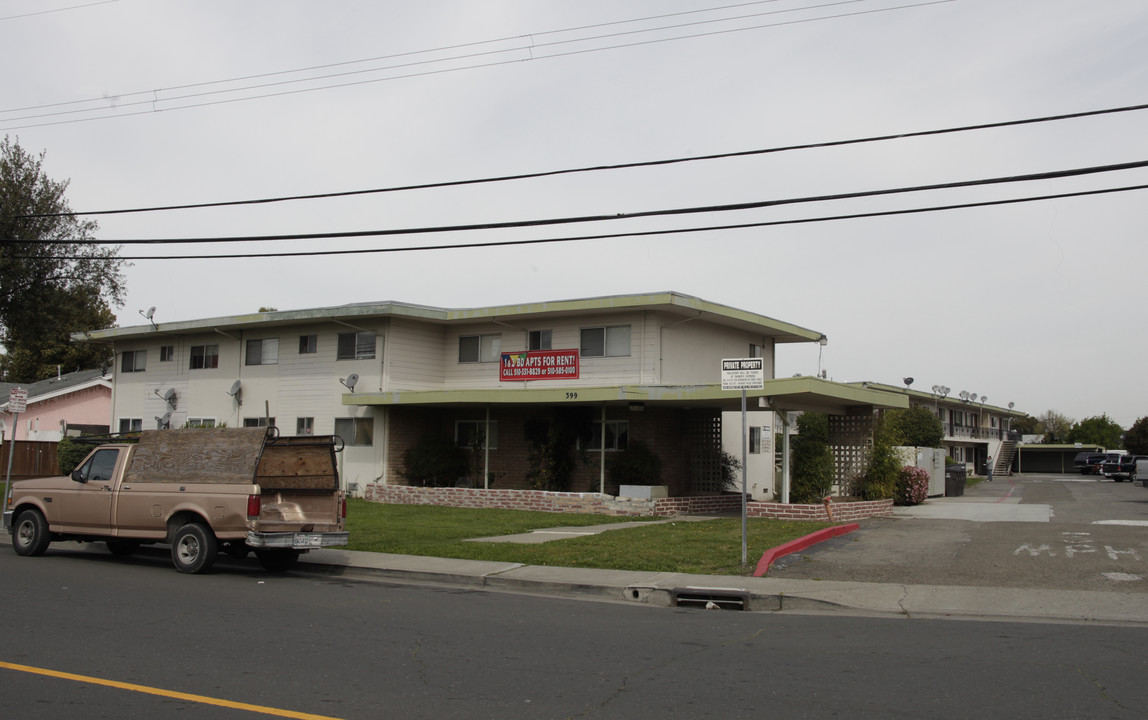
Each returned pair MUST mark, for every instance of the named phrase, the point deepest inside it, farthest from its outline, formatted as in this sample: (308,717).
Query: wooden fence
(32,458)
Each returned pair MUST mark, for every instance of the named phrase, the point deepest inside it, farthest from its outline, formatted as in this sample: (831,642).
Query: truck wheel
(30,535)
(193,549)
(277,559)
(123,548)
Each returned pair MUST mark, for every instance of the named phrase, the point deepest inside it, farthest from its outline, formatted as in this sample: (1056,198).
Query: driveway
(1067,532)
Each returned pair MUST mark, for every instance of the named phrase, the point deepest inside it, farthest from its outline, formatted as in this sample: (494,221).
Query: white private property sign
(743,374)
(17,400)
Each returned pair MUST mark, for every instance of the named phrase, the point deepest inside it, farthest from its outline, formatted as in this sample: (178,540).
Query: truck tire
(123,548)
(277,559)
(193,548)
(30,534)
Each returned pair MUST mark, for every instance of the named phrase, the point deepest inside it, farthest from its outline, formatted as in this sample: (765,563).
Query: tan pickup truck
(201,490)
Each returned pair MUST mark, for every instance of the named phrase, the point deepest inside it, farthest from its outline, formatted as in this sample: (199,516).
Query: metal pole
(11,452)
(744,473)
(486,453)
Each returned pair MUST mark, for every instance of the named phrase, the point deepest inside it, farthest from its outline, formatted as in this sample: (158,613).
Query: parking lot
(1067,532)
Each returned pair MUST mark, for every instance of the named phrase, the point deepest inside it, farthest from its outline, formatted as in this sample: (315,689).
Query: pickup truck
(200,490)
(1124,466)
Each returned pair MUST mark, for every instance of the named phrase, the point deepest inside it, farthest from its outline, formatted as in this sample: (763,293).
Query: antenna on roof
(149,315)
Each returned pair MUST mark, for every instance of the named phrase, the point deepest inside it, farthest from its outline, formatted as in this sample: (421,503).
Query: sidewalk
(760,594)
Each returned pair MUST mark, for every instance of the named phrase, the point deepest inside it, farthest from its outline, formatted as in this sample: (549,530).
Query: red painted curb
(800,544)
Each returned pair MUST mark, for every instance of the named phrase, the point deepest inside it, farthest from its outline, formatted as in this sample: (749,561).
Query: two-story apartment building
(974,430)
(499,381)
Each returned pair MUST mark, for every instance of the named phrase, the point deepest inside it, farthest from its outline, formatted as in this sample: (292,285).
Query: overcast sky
(1038,303)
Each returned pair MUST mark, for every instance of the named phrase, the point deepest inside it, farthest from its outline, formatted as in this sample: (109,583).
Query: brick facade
(599,504)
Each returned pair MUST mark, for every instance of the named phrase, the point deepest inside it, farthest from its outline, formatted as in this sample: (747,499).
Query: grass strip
(711,547)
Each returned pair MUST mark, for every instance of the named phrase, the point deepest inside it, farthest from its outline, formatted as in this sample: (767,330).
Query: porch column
(602,452)
(486,453)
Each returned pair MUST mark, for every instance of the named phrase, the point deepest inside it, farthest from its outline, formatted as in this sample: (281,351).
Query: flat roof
(672,303)
(785,394)
(930,397)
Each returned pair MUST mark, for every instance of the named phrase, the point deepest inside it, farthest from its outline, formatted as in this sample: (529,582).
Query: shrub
(435,461)
(912,486)
(813,466)
(69,453)
(884,467)
(636,465)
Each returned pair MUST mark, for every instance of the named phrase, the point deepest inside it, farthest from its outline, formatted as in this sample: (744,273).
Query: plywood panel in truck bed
(298,463)
(197,455)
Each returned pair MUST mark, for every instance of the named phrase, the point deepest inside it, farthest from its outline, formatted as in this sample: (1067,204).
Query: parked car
(1110,462)
(1089,463)
(1123,467)
(1141,470)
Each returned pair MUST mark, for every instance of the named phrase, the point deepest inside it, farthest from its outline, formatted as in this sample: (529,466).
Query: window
(100,467)
(479,348)
(262,352)
(204,357)
(540,340)
(755,440)
(131,425)
(193,422)
(259,422)
(356,431)
(167,353)
(468,434)
(356,346)
(617,435)
(606,341)
(308,344)
(133,361)
(305,426)
(754,350)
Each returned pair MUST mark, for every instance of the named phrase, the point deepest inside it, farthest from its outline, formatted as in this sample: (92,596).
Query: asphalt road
(335,648)
(1064,532)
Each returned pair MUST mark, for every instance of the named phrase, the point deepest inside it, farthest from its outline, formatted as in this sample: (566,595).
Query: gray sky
(1037,303)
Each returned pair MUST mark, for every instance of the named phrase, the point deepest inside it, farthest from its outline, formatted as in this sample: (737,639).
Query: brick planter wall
(598,504)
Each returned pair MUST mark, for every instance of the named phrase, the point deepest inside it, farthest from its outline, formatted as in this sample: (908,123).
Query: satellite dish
(908,381)
(150,312)
(163,423)
(351,381)
(236,390)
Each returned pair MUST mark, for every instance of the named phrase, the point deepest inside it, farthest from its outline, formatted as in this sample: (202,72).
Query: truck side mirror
(78,476)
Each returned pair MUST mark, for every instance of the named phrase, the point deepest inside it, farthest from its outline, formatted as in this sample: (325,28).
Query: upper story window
(541,340)
(133,361)
(356,346)
(262,352)
(204,357)
(606,341)
(308,344)
(167,353)
(479,348)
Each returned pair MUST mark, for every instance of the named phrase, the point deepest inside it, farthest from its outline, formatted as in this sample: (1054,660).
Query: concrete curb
(800,544)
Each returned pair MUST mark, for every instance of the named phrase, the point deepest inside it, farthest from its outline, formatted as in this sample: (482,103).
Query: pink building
(69,404)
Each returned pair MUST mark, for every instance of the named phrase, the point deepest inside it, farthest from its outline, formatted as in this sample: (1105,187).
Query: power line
(615,166)
(57,10)
(729,207)
(639,233)
(530,49)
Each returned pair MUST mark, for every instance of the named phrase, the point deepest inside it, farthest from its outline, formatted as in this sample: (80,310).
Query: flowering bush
(912,486)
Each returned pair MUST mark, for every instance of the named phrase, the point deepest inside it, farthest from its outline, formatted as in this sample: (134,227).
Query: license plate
(308,540)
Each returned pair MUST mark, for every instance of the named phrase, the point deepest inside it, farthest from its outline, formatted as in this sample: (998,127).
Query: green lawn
(711,547)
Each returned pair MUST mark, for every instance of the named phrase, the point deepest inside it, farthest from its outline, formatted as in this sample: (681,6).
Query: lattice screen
(851,440)
(703,438)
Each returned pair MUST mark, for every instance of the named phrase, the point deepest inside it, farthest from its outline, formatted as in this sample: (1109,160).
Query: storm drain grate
(711,598)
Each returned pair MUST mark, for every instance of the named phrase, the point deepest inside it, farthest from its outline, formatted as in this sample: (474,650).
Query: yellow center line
(165,693)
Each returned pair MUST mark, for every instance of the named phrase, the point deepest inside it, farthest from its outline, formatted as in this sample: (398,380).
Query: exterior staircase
(1003,461)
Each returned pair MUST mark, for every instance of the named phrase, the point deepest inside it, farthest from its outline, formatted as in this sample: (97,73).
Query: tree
(54,277)
(1136,439)
(915,427)
(1027,425)
(1056,426)
(1099,430)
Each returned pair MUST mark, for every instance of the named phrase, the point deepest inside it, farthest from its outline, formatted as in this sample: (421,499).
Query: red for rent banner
(539,365)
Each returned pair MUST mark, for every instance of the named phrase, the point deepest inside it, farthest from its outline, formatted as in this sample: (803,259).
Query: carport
(1041,458)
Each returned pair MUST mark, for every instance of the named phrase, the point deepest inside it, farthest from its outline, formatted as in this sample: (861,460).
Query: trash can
(955,476)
